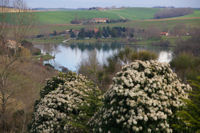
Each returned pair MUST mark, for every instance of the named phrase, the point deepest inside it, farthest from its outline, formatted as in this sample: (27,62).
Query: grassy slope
(195,14)
(42,29)
(141,18)
(64,17)
(135,13)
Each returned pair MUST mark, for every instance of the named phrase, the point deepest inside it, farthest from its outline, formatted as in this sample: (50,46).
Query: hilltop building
(100,20)
(164,34)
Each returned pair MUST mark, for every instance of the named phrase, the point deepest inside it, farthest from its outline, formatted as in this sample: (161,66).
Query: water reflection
(165,56)
(71,56)
(98,46)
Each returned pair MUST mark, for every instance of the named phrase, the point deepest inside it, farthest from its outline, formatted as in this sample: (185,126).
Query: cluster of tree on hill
(87,21)
(54,33)
(118,20)
(104,32)
(163,7)
(173,12)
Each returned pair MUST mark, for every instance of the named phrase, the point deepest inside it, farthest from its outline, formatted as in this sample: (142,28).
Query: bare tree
(6,92)
(91,67)
(23,20)
(13,26)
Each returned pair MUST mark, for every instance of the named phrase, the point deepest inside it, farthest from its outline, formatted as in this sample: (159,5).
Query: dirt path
(121,16)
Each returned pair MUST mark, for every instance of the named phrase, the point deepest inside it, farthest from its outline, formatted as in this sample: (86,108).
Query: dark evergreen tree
(81,33)
(190,115)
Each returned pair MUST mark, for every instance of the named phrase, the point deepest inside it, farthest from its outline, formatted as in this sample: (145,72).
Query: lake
(72,56)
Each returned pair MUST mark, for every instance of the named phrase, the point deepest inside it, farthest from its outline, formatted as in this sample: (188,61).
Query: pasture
(64,17)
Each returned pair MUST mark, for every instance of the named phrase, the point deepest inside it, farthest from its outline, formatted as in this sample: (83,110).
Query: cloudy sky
(108,3)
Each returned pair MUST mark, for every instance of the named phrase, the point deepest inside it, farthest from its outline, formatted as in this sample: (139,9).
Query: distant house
(96,30)
(164,33)
(67,31)
(76,32)
(97,8)
(99,20)
(101,9)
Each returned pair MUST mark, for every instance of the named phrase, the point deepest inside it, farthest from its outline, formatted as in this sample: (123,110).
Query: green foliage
(186,66)
(129,55)
(183,61)
(102,75)
(143,97)
(53,83)
(89,108)
(187,57)
(190,115)
(67,103)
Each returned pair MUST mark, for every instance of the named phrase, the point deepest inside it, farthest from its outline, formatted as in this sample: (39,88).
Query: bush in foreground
(67,103)
(190,114)
(144,97)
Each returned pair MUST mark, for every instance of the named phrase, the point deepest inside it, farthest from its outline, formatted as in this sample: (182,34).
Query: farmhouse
(76,32)
(96,30)
(164,34)
(99,20)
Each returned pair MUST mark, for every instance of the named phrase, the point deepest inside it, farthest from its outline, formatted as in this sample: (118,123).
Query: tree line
(104,32)
(87,21)
(173,12)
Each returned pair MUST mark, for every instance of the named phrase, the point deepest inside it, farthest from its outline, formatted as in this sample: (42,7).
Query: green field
(135,13)
(64,17)
(195,14)
(49,21)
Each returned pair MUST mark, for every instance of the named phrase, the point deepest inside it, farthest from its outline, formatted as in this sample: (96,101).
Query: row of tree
(87,21)
(173,12)
(104,32)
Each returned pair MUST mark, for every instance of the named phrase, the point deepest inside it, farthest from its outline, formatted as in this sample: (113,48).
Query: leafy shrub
(144,97)
(186,61)
(67,103)
(190,46)
(190,114)
(129,55)
(186,66)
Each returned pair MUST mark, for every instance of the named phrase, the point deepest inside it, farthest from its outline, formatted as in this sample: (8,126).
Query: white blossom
(147,91)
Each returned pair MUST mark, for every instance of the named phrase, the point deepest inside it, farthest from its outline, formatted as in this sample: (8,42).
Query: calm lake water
(72,56)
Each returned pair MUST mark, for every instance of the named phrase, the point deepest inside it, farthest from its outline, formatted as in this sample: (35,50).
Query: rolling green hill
(135,13)
(195,14)
(64,17)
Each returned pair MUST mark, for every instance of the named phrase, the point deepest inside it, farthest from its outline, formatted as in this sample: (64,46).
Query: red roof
(100,18)
(96,30)
(163,33)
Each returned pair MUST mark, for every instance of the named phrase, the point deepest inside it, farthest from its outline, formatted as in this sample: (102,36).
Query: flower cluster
(144,97)
(61,109)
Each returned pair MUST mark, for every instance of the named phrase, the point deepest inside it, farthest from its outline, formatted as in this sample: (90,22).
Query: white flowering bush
(144,97)
(66,108)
